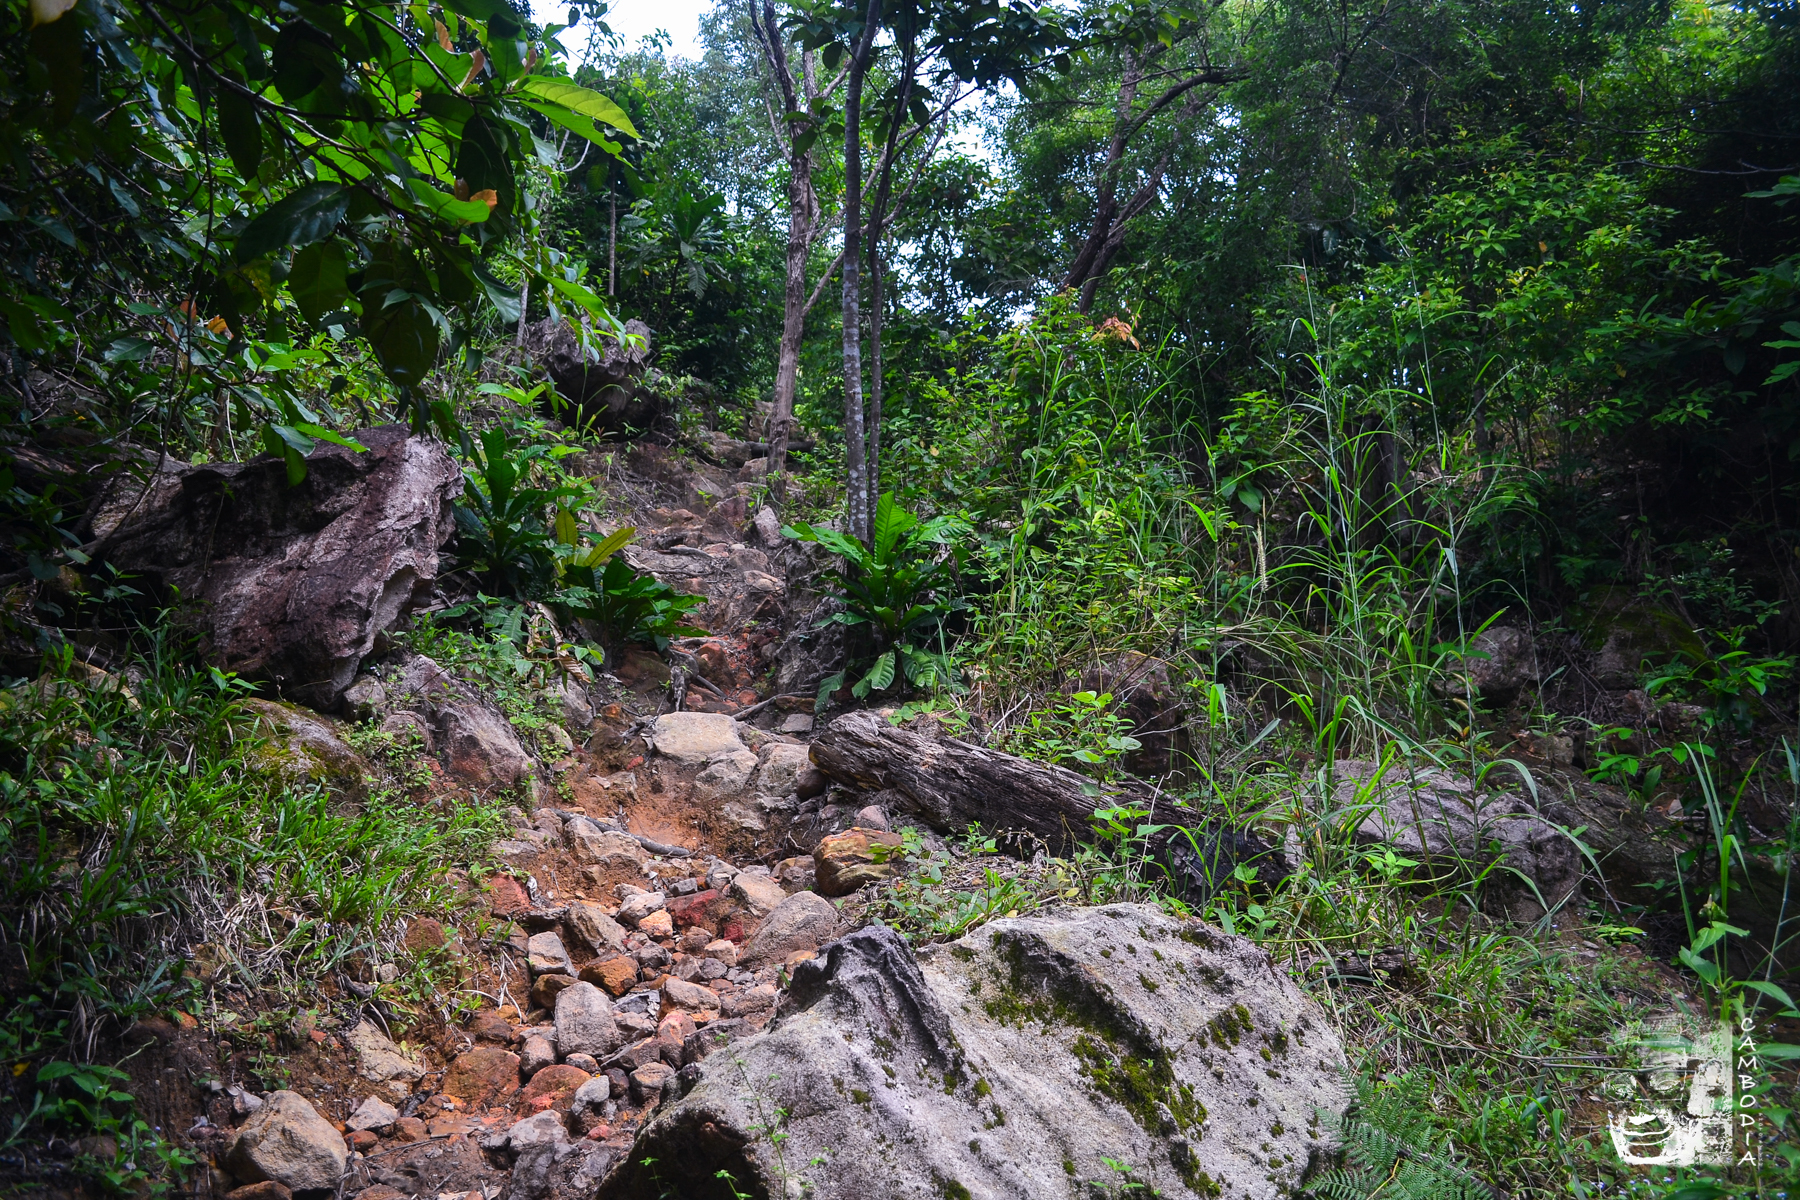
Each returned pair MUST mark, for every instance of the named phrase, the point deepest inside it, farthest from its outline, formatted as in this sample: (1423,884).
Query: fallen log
(950,784)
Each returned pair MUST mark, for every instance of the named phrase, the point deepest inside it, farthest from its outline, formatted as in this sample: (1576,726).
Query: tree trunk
(612,240)
(874,467)
(856,463)
(802,212)
(951,785)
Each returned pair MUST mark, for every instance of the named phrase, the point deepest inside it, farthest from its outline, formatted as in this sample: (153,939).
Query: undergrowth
(150,864)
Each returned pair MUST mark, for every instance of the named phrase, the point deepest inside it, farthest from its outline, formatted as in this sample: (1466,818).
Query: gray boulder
(286,1140)
(476,742)
(291,583)
(592,932)
(695,739)
(1012,1064)
(1445,823)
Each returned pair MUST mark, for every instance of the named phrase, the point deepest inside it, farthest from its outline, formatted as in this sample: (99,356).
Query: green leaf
(504,299)
(449,208)
(880,675)
(405,338)
(578,100)
(827,688)
(1772,991)
(298,219)
(242,132)
(575,123)
(317,280)
(483,162)
(567,531)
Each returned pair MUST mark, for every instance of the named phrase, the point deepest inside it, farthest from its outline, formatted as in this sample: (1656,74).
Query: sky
(635,20)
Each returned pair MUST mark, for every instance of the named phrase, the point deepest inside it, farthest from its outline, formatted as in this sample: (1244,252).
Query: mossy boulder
(1014,1063)
(1623,632)
(301,746)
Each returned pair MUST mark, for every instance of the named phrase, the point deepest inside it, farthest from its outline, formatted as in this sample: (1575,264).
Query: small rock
(797,723)
(507,897)
(539,1129)
(535,1055)
(410,1129)
(698,908)
(658,924)
(553,1087)
(647,1081)
(811,782)
(678,994)
(873,817)
(373,1113)
(545,955)
(695,739)
(720,875)
(364,699)
(676,1025)
(544,989)
(361,1140)
(289,1142)
(268,1189)
(584,1022)
(482,1075)
(378,1059)
(684,887)
(616,974)
(603,847)
(490,1026)
(592,931)
(768,527)
(584,1062)
(804,921)
(844,862)
(758,893)
(796,874)
(636,908)
(722,950)
(727,774)
(588,1107)
(760,998)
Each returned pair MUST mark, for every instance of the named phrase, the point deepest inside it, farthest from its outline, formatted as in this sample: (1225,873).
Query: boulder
(1444,823)
(584,1022)
(1146,693)
(379,1060)
(1503,662)
(304,747)
(695,739)
(679,995)
(636,908)
(1015,1063)
(601,385)
(286,1140)
(804,921)
(846,861)
(475,741)
(291,584)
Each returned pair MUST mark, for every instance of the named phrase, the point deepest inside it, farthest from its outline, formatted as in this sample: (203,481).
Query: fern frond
(1392,1153)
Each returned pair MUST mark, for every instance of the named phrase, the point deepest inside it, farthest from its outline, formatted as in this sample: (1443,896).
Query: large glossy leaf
(297,219)
(241,131)
(317,280)
(578,99)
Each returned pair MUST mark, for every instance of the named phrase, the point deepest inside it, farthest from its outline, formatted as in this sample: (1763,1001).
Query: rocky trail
(667,987)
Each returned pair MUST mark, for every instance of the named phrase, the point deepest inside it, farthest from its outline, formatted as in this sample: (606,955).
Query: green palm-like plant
(893,585)
(502,533)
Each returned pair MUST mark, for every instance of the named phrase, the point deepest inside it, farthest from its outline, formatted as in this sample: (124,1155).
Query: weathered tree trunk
(950,785)
(856,447)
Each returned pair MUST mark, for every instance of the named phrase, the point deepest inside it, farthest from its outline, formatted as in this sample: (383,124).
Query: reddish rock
(676,1025)
(847,861)
(553,1087)
(410,1129)
(490,1026)
(701,908)
(507,896)
(614,975)
(361,1140)
(268,1189)
(731,929)
(427,933)
(482,1075)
